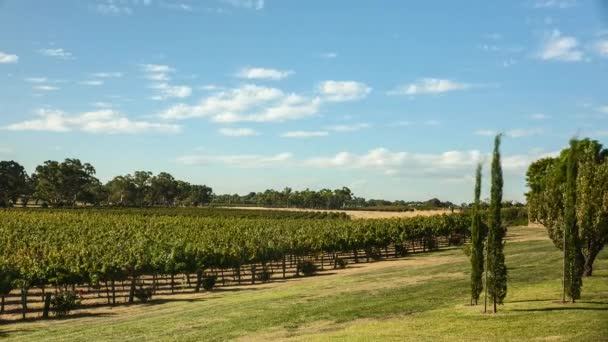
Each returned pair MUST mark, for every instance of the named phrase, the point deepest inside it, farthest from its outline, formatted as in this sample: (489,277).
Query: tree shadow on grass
(564,308)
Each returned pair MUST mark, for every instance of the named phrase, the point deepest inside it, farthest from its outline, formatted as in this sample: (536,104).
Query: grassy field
(422,297)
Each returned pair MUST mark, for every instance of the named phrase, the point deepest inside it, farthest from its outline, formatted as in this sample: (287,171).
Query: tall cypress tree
(477,238)
(572,255)
(497,271)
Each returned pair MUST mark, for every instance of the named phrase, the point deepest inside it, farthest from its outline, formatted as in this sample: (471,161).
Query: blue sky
(395,99)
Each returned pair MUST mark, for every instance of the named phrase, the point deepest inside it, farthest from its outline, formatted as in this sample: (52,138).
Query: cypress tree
(573,269)
(496,269)
(477,238)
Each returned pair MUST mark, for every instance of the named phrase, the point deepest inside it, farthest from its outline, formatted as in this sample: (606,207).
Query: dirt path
(360,214)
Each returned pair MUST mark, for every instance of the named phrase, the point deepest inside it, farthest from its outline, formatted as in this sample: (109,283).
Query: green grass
(424,297)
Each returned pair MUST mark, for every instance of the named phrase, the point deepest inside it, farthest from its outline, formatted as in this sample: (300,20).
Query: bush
(264,275)
(209,283)
(143,294)
(374,253)
(63,302)
(341,263)
(308,268)
(456,239)
(400,250)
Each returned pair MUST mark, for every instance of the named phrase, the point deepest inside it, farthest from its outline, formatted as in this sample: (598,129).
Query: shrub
(264,275)
(456,239)
(308,268)
(209,283)
(143,294)
(341,263)
(374,253)
(63,302)
(400,250)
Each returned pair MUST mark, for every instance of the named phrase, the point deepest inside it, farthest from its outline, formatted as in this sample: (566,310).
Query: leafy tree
(13,182)
(547,179)
(477,237)
(496,268)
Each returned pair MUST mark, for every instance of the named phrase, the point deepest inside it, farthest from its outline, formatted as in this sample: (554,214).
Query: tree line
(71,183)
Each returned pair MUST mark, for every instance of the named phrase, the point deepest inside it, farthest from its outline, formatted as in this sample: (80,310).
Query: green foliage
(62,303)
(572,254)
(308,268)
(478,233)
(143,294)
(496,268)
(13,182)
(208,283)
(547,180)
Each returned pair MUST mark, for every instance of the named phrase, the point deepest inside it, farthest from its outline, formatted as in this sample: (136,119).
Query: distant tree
(13,182)
(66,182)
(163,189)
(496,269)
(478,232)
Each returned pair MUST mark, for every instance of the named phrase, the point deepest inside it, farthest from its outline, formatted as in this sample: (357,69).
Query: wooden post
(47,305)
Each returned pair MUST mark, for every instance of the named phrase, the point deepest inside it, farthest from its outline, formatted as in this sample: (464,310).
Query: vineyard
(110,256)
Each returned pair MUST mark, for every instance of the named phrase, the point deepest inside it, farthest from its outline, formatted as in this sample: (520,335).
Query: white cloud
(242,160)
(602,48)
(115,7)
(92,82)
(523,132)
(5,150)
(6,58)
(248,103)
(262,73)
(102,104)
(429,86)
(107,74)
(304,134)
(603,109)
(57,53)
(45,88)
(36,79)
(560,48)
(486,132)
(539,116)
(348,127)
(561,4)
(238,132)
(330,55)
(167,91)
(247,4)
(512,133)
(339,91)
(432,122)
(99,122)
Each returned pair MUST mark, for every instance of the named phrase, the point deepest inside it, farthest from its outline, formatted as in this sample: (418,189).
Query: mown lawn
(423,297)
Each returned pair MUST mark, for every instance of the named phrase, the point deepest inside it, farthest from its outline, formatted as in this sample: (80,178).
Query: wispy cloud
(601,47)
(304,134)
(36,79)
(238,160)
(263,73)
(348,127)
(561,48)
(113,74)
(427,86)
(512,133)
(329,55)
(99,122)
(238,132)
(92,82)
(115,7)
(340,91)
(560,4)
(539,116)
(167,91)
(56,53)
(246,4)
(6,58)
(45,88)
